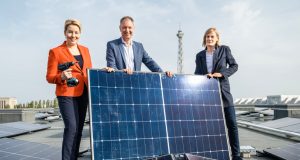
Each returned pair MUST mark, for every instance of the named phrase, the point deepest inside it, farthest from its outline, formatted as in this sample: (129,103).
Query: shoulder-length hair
(210,30)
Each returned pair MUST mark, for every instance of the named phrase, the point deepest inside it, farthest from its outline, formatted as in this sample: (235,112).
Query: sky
(263,36)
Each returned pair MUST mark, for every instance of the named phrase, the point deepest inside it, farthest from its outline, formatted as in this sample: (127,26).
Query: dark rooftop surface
(53,137)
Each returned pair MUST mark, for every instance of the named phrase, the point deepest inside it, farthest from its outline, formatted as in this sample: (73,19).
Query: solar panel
(18,149)
(17,128)
(290,152)
(148,114)
(185,156)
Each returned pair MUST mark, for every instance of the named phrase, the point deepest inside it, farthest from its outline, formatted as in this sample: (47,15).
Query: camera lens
(72,82)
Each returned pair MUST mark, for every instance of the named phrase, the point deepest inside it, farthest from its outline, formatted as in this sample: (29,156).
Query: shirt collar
(213,51)
(130,42)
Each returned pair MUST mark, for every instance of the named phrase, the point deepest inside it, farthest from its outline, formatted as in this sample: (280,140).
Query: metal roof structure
(270,100)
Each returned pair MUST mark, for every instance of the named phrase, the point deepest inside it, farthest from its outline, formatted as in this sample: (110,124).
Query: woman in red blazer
(72,100)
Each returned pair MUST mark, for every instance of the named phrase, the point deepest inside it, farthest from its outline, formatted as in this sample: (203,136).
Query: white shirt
(209,61)
(128,52)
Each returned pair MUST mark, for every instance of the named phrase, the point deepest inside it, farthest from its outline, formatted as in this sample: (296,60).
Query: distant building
(283,105)
(15,115)
(7,102)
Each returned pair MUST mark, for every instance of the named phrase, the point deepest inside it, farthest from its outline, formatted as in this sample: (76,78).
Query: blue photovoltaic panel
(290,152)
(14,149)
(17,128)
(194,116)
(148,114)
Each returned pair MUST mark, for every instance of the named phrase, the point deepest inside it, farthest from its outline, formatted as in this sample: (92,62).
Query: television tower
(180,52)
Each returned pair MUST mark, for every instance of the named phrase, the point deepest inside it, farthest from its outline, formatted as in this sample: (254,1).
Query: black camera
(71,82)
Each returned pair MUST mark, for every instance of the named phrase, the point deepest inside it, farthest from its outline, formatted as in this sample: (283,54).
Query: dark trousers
(232,132)
(73,111)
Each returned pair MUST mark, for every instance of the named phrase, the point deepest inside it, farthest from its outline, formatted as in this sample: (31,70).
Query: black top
(80,60)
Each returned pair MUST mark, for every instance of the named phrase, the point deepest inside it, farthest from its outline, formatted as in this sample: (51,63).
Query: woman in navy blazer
(216,61)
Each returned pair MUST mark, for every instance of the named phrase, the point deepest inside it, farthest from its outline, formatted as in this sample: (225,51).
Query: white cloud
(243,15)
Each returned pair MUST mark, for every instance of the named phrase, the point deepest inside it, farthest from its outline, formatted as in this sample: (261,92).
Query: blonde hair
(72,22)
(210,30)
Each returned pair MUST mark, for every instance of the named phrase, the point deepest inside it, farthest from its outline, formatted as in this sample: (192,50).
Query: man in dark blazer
(128,55)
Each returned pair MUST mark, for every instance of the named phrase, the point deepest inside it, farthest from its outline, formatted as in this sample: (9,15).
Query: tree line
(39,104)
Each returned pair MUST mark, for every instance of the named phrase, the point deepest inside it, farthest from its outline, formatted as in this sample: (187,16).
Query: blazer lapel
(203,62)
(215,59)
(84,59)
(70,57)
(121,51)
(135,55)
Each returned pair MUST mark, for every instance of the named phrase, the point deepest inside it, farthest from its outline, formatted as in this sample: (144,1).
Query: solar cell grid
(11,149)
(290,152)
(148,114)
(189,118)
(17,128)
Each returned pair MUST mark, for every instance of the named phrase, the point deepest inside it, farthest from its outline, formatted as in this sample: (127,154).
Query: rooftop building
(7,102)
(281,105)
(270,100)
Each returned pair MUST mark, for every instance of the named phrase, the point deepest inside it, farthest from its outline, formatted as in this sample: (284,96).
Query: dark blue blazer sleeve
(225,63)
(201,67)
(148,61)
(110,56)
(114,57)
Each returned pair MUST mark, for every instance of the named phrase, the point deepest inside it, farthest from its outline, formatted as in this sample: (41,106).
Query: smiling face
(127,29)
(72,34)
(211,39)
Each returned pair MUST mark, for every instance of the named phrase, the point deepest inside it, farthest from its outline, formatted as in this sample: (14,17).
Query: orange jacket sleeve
(53,74)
